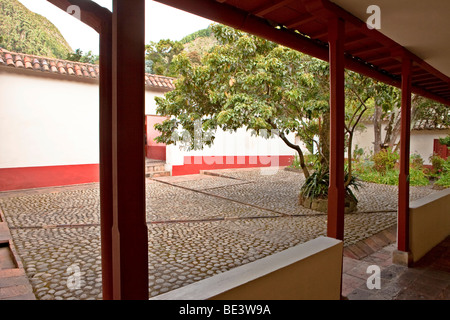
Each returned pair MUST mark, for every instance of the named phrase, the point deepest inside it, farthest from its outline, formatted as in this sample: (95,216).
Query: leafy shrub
(358,153)
(438,163)
(445,141)
(310,160)
(416,161)
(365,172)
(316,186)
(385,160)
(444,180)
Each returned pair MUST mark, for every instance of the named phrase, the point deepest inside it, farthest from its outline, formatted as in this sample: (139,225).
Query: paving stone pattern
(198,226)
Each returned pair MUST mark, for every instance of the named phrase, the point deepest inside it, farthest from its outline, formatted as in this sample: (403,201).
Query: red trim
(193,164)
(403,179)
(39,177)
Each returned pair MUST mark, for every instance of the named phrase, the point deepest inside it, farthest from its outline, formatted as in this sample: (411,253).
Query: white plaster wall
(47,122)
(150,104)
(239,143)
(421,140)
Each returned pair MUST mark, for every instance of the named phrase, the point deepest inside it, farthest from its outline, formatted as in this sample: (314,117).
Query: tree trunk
(377,129)
(300,154)
(324,141)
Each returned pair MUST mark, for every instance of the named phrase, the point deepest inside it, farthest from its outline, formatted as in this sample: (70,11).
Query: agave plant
(316,185)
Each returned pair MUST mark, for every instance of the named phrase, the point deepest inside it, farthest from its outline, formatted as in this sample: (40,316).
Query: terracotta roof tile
(36,64)
(70,68)
(18,61)
(45,66)
(9,60)
(27,61)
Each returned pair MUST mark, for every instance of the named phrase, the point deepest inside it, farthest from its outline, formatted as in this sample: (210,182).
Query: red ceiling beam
(271,7)
(357,39)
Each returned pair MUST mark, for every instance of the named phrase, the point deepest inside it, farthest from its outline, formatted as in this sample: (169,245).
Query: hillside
(22,30)
(199,42)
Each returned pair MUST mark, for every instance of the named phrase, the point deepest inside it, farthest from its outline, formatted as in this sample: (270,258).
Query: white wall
(239,143)
(47,122)
(150,103)
(421,140)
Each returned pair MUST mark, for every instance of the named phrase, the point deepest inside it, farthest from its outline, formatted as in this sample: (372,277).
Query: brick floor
(428,279)
(14,283)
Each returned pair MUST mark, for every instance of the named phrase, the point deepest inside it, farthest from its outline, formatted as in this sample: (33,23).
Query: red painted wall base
(39,177)
(193,164)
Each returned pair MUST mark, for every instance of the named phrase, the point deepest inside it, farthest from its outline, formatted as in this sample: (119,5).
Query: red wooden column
(106,169)
(129,230)
(402,256)
(336,191)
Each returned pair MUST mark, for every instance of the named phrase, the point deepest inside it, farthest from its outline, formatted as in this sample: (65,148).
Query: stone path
(198,225)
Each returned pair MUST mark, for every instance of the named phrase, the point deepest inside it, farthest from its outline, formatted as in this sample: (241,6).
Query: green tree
(161,54)
(246,81)
(79,56)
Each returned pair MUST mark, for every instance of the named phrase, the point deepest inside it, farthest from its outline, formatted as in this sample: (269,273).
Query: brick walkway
(428,279)
(199,225)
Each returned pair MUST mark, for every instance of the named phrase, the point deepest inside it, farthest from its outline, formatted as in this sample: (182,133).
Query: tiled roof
(70,68)
(420,124)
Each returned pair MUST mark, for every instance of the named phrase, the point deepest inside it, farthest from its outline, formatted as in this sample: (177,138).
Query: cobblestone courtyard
(198,226)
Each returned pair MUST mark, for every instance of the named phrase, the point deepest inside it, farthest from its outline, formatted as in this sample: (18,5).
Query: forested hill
(24,31)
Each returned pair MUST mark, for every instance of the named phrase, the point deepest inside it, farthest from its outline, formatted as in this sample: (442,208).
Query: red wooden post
(129,231)
(106,170)
(403,182)
(336,191)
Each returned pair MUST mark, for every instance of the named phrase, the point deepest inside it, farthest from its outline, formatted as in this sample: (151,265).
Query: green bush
(444,178)
(316,186)
(365,172)
(438,163)
(385,160)
(416,161)
(445,141)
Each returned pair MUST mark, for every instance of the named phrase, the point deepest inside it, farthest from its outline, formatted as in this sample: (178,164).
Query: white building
(49,127)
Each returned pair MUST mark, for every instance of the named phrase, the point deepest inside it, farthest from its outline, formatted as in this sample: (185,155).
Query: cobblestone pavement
(198,226)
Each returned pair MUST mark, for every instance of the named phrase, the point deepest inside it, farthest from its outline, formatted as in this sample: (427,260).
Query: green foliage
(385,160)
(161,54)
(26,32)
(316,185)
(198,34)
(444,175)
(245,81)
(79,56)
(438,163)
(416,161)
(311,161)
(358,153)
(364,171)
(445,141)
(444,180)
